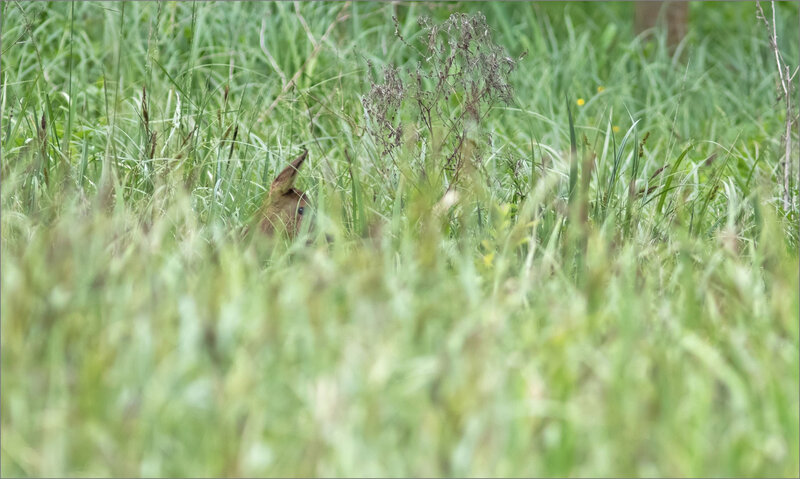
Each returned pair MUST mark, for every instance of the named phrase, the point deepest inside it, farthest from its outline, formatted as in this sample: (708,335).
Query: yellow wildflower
(580,101)
(600,89)
(615,129)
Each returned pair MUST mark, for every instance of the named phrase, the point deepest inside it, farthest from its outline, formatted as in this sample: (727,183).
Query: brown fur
(285,205)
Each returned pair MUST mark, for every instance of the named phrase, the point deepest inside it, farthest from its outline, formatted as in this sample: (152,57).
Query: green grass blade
(670,177)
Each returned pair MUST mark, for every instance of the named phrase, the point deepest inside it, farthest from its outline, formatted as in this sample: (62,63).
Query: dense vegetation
(589,270)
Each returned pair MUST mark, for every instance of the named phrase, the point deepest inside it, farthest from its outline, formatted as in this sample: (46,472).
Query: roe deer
(284,206)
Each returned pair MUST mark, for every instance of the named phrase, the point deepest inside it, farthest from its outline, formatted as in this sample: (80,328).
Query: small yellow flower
(580,101)
(600,89)
(488,260)
(615,129)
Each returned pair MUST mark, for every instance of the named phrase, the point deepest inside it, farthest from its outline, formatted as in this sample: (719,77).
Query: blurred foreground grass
(517,336)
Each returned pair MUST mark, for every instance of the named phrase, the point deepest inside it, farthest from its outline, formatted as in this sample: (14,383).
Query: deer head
(285,205)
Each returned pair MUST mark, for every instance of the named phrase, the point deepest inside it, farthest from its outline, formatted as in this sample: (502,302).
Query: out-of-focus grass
(514,337)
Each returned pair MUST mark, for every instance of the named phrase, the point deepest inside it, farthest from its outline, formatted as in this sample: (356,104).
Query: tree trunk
(650,14)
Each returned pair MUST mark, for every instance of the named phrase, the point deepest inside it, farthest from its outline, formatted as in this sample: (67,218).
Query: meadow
(566,252)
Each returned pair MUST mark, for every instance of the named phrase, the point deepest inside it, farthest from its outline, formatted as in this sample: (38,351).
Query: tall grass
(614,293)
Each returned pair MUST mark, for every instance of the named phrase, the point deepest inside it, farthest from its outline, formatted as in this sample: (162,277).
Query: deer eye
(300,210)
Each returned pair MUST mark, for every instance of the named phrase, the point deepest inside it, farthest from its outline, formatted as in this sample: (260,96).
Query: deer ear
(285,179)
